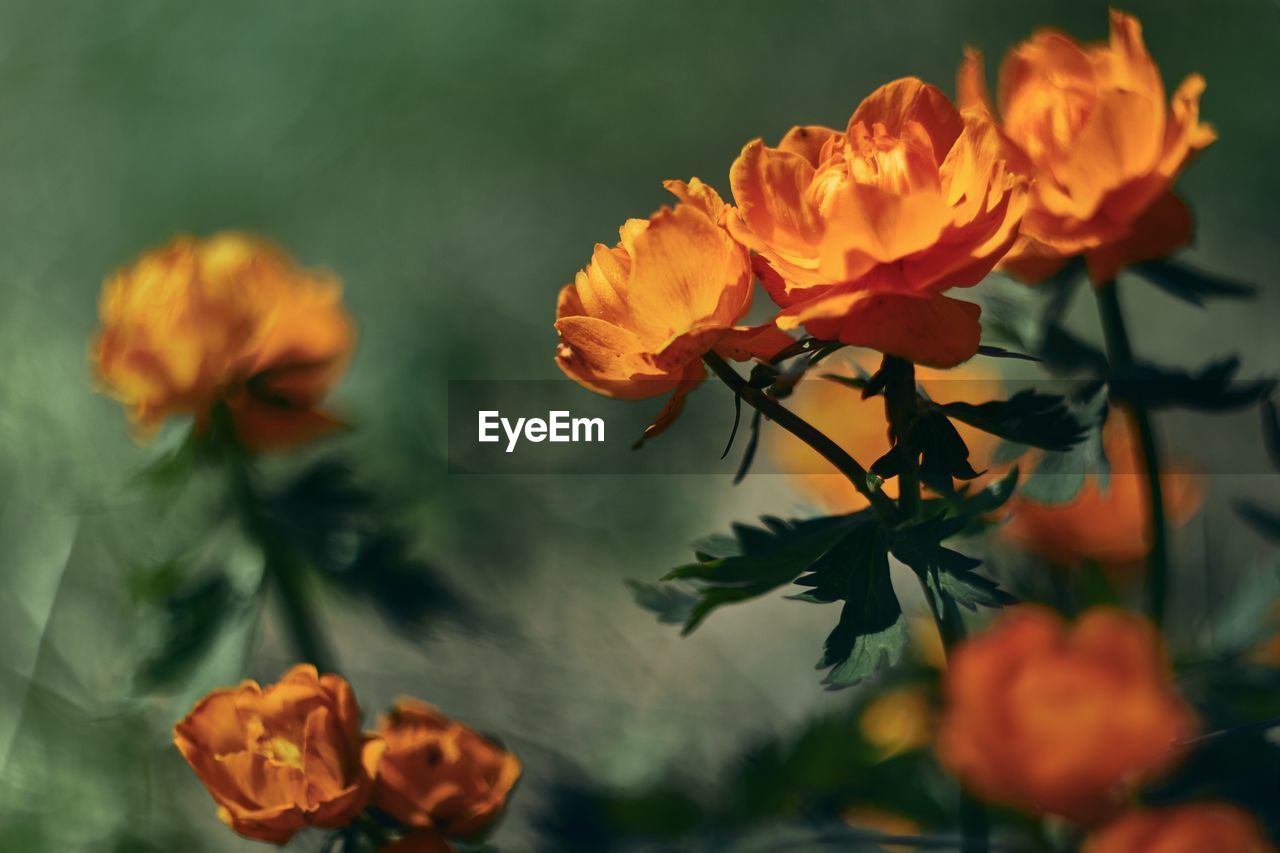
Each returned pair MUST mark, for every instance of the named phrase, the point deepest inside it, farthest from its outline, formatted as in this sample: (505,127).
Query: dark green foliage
(1212,388)
(190,616)
(342,529)
(1192,285)
(1028,417)
(946,573)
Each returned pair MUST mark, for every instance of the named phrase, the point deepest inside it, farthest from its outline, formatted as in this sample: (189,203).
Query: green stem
(901,404)
(1120,355)
(283,568)
(806,432)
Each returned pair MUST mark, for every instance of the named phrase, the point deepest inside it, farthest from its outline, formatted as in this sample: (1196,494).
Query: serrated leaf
(948,574)
(757,559)
(1028,417)
(1192,285)
(871,632)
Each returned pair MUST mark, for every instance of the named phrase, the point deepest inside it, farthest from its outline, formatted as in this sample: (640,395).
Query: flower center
(896,164)
(283,751)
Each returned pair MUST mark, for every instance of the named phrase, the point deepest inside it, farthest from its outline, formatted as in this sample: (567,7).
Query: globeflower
(438,774)
(1060,719)
(1104,145)
(638,318)
(1192,828)
(228,320)
(284,757)
(1108,523)
(859,233)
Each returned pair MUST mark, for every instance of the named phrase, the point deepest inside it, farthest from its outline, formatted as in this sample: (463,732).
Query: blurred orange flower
(1193,828)
(859,426)
(418,842)
(438,773)
(1104,144)
(1061,720)
(859,233)
(229,319)
(1111,526)
(284,757)
(637,320)
(897,721)
(883,822)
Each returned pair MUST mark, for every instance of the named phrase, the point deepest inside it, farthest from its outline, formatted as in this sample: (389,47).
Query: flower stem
(901,403)
(1120,355)
(283,568)
(806,432)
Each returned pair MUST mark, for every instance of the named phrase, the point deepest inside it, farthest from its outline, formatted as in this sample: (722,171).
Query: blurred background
(453,162)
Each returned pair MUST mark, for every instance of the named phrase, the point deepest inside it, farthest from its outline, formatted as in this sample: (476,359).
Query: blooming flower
(437,773)
(859,233)
(1192,828)
(1110,525)
(1104,145)
(637,320)
(225,320)
(1061,720)
(284,757)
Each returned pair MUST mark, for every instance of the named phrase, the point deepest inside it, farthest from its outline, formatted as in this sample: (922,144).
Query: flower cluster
(858,234)
(291,755)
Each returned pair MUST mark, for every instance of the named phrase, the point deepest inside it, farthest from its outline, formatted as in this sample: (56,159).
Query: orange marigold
(437,773)
(1104,145)
(637,320)
(859,233)
(1193,828)
(231,320)
(1062,720)
(1111,525)
(284,757)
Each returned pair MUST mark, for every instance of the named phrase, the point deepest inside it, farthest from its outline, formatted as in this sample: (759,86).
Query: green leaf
(1028,417)
(948,574)
(1001,352)
(192,616)
(1260,518)
(1058,476)
(1192,285)
(672,603)
(1213,388)
(342,528)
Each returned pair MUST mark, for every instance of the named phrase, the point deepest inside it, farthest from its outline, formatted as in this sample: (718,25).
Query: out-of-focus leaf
(192,616)
(1001,352)
(1028,417)
(1265,521)
(1058,476)
(342,528)
(1213,388)
(1271,431)
(671,603)
(1190,284)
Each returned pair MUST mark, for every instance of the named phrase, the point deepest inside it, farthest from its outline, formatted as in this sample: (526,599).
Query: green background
(454,162)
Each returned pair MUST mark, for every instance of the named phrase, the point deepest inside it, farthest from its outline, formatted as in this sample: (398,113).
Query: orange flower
(879,821)
(1111,526)
(859,233)
(418,842)
(1193,828)
(897,721)
(1061,720)
(859,426)
(438,773)
(284,757)
(1104,145)
(229,319)
(637,320)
